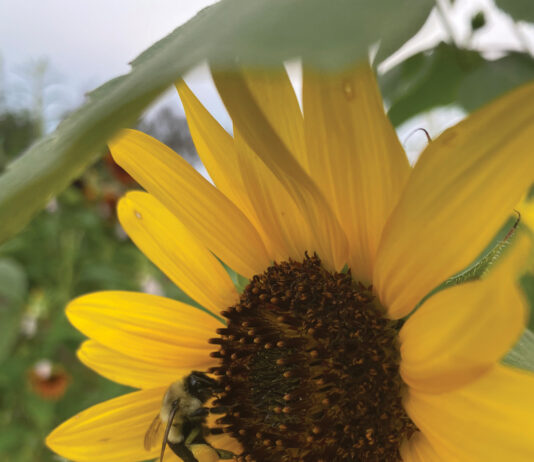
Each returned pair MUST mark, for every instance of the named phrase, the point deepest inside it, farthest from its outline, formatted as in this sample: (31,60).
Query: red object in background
(117,171)
(48,381)
(108,204)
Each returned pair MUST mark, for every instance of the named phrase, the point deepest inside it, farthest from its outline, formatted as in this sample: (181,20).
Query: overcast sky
(87,42)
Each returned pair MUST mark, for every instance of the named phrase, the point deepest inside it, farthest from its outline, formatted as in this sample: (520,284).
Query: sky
(87,42)
(84,43)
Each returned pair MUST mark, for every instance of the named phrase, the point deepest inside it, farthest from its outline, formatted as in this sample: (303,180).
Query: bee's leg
(182,451)
(200,412)
(223,454)
(192,436)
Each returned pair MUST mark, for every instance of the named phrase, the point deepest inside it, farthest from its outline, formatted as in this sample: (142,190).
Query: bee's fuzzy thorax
(186,406)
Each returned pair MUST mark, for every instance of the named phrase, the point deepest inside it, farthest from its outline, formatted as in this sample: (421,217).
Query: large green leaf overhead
(329,35)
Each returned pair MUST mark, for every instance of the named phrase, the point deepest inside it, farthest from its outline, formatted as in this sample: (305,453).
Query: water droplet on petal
(348,89)
(138,215)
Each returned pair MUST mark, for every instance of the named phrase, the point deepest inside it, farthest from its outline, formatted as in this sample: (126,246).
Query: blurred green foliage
(478,21)
(449,75)
(74,246)
(17,131)
(64,253)
(520,10)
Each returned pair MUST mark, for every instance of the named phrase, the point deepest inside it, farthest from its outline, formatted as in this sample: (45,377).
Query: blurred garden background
(73,247)
(467,53)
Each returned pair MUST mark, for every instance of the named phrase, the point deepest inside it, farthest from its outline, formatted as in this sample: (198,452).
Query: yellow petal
(419,449)
(204,210)
(226,442)
(461,191)
(128,370)
(112,431)
(236,173)
(288,233)
(278,213)
(460,332)
(154,329)
(489,420)
(329,239)
(202,452)
(169,457)
(168,243)
(275,96)
(526,208)
(354,156)
(215,148)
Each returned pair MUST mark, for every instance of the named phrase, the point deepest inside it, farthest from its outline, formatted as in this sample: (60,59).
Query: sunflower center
(309,367)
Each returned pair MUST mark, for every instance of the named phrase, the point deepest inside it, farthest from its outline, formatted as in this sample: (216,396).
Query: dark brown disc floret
(310,370)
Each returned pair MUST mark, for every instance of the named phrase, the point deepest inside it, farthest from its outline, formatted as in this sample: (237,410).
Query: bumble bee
(184,416)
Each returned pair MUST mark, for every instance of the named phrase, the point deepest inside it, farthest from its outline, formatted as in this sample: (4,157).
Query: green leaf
(527,284)
(482,263)
(478,21)
(494,78)
(522,355)
(329,35)
(448,75)
(427,80)
(520,10)
(240,282)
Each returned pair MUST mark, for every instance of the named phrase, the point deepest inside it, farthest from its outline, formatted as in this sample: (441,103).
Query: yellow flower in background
(315,362)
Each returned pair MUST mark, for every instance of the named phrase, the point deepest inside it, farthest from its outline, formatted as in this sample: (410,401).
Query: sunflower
(320,353)
(526,208)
